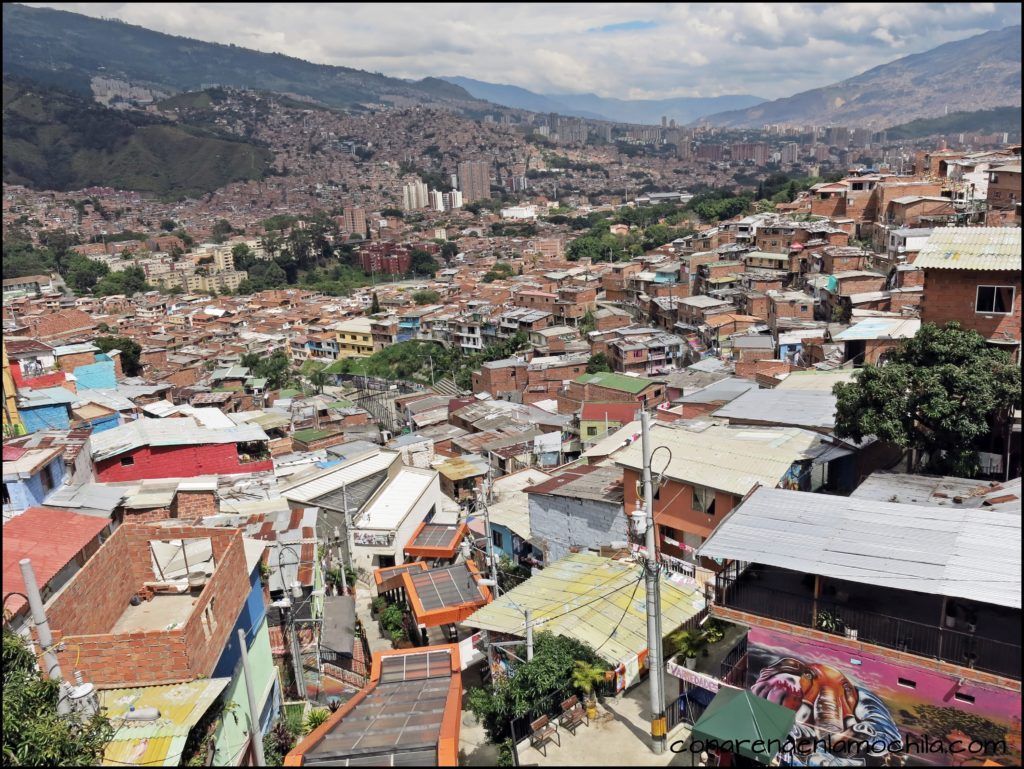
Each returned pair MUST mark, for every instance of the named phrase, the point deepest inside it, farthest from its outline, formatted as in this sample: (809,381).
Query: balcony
(978,636)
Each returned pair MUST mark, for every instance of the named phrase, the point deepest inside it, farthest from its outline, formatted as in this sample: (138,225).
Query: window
(961,697)
(995,299)
(590,431)
(704,500)
(907,683)
(127,461)
(498,540)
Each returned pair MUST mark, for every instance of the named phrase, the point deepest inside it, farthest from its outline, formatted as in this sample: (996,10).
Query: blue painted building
(45,409)
(96,376)
(30,476)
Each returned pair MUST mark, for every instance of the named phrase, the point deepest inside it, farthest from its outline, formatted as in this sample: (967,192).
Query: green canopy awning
(754,727)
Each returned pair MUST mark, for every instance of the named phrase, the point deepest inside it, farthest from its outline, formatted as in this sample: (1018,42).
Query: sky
(621,50)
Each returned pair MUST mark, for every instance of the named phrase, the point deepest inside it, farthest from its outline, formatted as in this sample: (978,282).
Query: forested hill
(54,139)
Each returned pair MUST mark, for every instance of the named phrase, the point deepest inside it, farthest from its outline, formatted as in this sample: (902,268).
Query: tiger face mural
(828,704)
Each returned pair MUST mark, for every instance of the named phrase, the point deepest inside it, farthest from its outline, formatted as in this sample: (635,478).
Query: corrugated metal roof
(813,379)
(393,503)
(167,432)
(161,741)
(595,600)
(971,248)
(799,408)
(334,478)
(880,328)
(957,552)
(725,458)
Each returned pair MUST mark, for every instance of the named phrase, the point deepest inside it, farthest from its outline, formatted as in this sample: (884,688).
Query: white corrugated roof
(334,478)
(166,432)
(724,458)
(957,552)
(393,503)
(971,248)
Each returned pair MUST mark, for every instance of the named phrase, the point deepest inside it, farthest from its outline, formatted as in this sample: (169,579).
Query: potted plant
(688,644)
(587,676)
(377,605)
(830,623)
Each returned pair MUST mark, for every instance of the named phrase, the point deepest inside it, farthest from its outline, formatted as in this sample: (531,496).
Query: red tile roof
(51,538)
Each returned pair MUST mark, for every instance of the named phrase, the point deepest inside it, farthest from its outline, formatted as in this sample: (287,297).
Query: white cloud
(652,50)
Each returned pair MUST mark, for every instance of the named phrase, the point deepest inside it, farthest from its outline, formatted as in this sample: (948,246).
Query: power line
(624,612)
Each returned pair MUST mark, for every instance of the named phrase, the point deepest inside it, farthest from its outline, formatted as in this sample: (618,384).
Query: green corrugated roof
(311,434)
(971,248)
(629,384)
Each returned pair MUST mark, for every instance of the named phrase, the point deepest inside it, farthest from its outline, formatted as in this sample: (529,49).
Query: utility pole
(654,652)
(254,730)
(35,603)
(490,538)
(529,634)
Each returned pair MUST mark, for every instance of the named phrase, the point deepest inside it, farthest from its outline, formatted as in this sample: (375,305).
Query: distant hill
(54,139)
(68,50)
(999,120)
(592,106)
(980,72)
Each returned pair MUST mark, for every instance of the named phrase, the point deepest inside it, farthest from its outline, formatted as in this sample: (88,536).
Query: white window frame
(1013,300)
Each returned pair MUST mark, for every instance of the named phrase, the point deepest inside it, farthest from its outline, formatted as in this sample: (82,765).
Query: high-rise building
(355,220)
(452,200)
(414,196)
(436,200)
(790,152)
(475,180)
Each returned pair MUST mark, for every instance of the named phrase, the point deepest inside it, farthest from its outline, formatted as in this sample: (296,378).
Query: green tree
(34,734)
(221,230)
(536,688)
(449,251)
(425,297)
(84,273)
(242,256)
(939,394)
(598,363)
(374,304)
(131,352)
(168,225)
(422,263)
(129,281)
(276,368)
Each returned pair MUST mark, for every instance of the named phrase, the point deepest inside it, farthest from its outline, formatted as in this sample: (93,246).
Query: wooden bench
(542,731)
(573,714)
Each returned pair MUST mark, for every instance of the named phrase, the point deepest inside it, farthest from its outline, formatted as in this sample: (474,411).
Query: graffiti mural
(875,713)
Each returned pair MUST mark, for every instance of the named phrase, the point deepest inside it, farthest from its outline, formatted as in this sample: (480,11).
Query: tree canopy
(939,394)
(34,733)
(536,688)
(131,364)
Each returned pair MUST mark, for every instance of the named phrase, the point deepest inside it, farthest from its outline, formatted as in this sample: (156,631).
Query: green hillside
(58,140)
(986,121)
(68,49)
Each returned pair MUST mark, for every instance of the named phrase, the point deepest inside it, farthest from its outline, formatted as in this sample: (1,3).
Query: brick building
(973,276)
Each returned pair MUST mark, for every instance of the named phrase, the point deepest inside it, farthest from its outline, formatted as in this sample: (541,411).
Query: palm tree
(587,676)
(318,379)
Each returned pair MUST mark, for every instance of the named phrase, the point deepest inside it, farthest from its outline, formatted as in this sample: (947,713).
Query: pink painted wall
(790,670)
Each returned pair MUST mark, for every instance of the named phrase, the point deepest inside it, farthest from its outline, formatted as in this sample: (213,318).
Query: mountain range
(68,50)
(589,105)
(976,73)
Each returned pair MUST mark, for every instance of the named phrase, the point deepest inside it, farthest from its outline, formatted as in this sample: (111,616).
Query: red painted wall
(177,462)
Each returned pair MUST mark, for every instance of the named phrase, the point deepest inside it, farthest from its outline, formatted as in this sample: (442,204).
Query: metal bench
(573,714)
(542,731)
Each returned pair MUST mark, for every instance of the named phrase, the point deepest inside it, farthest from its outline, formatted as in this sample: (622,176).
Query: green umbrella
(744,723)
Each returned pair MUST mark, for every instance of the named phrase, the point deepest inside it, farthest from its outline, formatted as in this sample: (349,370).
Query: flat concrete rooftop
(163,612)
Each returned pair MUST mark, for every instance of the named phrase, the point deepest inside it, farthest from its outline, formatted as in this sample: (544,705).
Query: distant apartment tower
(790,152)
(436,200)
(475,180)
(355,220)
(414,196)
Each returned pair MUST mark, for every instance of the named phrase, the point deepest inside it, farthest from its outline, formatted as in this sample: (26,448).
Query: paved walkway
(619,736)
(364,596)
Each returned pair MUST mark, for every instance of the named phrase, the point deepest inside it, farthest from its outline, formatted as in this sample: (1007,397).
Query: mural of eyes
(826,702)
